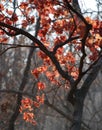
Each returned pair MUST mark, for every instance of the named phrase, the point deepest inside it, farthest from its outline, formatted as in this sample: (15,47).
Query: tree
(69,45)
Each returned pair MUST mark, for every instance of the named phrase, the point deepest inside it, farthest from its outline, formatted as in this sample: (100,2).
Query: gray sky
(88,4)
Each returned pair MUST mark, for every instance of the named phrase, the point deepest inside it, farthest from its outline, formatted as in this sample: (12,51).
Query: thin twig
(17,46)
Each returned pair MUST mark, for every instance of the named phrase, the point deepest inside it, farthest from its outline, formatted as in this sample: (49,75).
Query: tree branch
(42,48)
(16,46)
(70,39)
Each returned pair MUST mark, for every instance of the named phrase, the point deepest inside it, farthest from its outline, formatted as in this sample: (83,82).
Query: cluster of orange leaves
(95,41)
(48,70)
(28,105)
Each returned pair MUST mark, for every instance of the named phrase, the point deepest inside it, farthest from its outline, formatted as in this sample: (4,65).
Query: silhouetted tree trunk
(81,93)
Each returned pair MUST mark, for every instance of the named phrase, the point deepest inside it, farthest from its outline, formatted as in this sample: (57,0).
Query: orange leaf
(40,99)
(36,104)
(23,5)
(24,23)
(41,86)
(1,7)
(10,12)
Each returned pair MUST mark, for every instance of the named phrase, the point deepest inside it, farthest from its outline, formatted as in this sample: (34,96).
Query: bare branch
(70,39)
(16,46)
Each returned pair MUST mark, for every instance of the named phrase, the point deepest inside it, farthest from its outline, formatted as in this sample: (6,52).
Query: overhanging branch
(42,48)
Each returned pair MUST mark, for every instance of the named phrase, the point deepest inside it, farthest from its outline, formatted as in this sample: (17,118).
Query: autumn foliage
(66,41)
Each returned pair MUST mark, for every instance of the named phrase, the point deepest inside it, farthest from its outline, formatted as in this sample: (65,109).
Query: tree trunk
(77,115)
(80,95)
